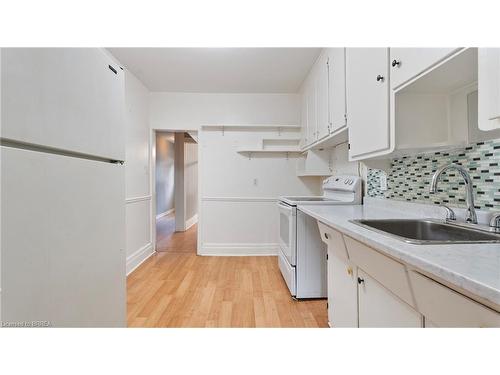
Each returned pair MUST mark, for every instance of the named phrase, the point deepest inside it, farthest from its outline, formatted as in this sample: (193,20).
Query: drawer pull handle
(360,280)
(326,236)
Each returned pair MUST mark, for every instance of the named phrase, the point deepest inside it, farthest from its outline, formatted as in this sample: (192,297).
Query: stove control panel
(342,183)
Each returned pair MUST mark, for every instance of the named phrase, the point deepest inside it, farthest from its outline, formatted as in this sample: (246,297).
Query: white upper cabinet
(321,77)
(336,88)
(323,98)
(367,73)
(489,88)
(312,116)
(407,63)
(65,98)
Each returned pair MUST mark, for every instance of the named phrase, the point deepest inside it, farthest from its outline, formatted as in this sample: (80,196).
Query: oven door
(288,232)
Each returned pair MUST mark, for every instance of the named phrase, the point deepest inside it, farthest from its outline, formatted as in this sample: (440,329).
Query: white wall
(179,111)
(137,173)
(191,182)
(239,214)
(164,171)
(236,217)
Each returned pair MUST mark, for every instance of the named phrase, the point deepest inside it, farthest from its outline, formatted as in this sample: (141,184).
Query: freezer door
(63,240)
(65,98)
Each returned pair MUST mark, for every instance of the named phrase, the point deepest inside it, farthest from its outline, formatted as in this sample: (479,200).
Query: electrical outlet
(383,182)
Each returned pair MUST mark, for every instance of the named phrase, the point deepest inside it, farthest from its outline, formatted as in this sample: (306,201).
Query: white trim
(138,199)
(191,221)
(239,249)
(137,258)
(239,199)
(168,212)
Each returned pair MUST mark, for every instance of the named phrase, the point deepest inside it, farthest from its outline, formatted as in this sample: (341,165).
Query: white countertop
(473,267)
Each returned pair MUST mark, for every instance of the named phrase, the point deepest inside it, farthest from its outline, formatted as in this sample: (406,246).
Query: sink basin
(428,231)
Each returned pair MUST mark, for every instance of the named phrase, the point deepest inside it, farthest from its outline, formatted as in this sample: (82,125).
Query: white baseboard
(163,214)
(192,221)
(235,249)
(137,258)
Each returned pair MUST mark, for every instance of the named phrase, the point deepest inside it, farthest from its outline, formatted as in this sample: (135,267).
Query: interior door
(66,98)
(336,88)
(63,240)
(367,78)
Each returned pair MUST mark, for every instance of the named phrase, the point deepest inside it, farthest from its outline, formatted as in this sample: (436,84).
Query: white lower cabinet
(369,289)
(380,308)
(445,307)
(342,292)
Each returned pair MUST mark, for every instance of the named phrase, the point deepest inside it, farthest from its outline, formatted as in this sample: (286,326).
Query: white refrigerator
(62,188)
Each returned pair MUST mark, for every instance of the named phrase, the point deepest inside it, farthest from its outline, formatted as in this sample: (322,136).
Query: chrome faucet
(469,198)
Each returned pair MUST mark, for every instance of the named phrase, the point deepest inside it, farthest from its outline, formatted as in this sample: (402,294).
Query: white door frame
(152,182)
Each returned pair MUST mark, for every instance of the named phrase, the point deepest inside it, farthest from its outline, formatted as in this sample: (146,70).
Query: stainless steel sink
(428,231)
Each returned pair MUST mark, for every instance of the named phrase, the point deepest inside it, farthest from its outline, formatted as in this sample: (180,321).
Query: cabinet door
(336,88)
(368,102)
(407,63)
(489,88)
(321,77)
(303,119)
(380,308)
(311,111)
(342,292)
(65,98)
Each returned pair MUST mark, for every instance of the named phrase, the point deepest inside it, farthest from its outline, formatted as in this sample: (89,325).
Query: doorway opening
(176,191)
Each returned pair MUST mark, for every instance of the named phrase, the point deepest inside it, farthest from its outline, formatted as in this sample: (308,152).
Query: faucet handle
(495,221)
(450,214)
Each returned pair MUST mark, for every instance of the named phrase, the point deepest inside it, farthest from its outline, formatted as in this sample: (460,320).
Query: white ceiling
(222,70)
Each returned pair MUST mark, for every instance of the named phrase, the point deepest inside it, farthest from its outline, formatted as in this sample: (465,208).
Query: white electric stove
(302,255)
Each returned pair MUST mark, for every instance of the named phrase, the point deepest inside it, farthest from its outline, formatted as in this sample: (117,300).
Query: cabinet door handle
(326,236)
(380,78)
(396,63)
(360,280)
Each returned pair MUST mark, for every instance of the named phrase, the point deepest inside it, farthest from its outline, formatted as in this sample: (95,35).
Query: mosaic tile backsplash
(409,177)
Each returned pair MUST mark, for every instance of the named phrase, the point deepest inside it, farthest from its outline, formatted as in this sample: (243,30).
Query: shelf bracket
(249,156)
(223,130)
(287,156)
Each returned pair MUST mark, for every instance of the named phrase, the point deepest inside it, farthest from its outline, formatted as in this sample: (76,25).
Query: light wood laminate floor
(177,288)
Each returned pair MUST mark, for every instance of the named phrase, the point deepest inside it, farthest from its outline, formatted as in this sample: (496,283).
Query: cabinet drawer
(334,240)
(447,308)
(390,273)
